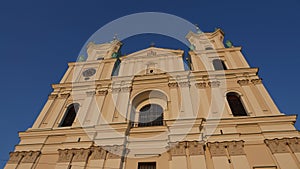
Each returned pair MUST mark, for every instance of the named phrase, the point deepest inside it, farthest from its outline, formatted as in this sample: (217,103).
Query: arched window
(151,115)
(219,64)
(70,115)
(235,104)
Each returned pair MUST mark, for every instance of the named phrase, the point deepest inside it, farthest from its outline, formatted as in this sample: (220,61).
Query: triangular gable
(153,52)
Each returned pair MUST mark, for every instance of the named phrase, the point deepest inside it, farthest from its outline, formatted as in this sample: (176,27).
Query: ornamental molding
(196,148)
(173,85)
(52,96)
(184,84)
(24,156)
(284,145)
(81,155)
(178,149)
(94,153)
(201,85)
(126,89)
(115,90)
(63,95)
(31,156)
(97,153)
(234,148)
(243,82)
(256,81)
(102,92)
(217,149)
(90,93)
(65,155)
(214,84)
(15,157)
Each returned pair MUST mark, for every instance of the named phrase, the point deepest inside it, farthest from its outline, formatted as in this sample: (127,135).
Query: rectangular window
(148,165)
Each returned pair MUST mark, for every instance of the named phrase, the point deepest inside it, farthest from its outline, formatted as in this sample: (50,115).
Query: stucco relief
(232,147)
(65,155)
(31,156)
(243,82)
(178,149)
(256,81)
(196,148)
(217,149)
(15,157)
(52,96)
(97,153)
(102,92)
(24,156)
(283,145)
(173,85)
(81,155)
(214,84)
(201,85)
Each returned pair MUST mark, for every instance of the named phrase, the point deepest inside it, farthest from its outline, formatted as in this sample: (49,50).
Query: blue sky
(39,38)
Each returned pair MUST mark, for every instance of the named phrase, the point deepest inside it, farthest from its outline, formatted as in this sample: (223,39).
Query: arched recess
(235,104)
(148,109)
(69,115)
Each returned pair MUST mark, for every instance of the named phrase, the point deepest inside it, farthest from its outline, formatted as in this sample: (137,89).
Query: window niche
(69,115)
(235,104)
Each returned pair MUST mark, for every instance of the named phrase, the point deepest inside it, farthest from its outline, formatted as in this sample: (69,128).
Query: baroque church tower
(145,110)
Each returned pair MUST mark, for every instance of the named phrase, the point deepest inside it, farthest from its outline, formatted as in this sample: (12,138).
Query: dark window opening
(235,104)
(151,71)
(209,48)
(219,64)
(70,115)
(151,115)
(147,165)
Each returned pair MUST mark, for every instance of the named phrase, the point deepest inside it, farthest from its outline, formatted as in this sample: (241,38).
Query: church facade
(152,109)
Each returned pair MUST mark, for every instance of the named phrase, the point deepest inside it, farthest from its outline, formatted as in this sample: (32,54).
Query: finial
(81,58)
(115,36)
(198,29)
(229,44)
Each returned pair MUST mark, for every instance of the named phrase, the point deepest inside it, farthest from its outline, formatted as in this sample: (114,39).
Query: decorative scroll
(201,85)
(102,92)
(184,84)
(214,84)
(173,85)
(256,81)
(243,82)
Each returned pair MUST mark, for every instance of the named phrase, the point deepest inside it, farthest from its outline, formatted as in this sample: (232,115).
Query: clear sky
(38,39)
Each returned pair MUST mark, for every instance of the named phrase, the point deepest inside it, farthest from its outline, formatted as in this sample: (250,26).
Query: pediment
(153,52)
